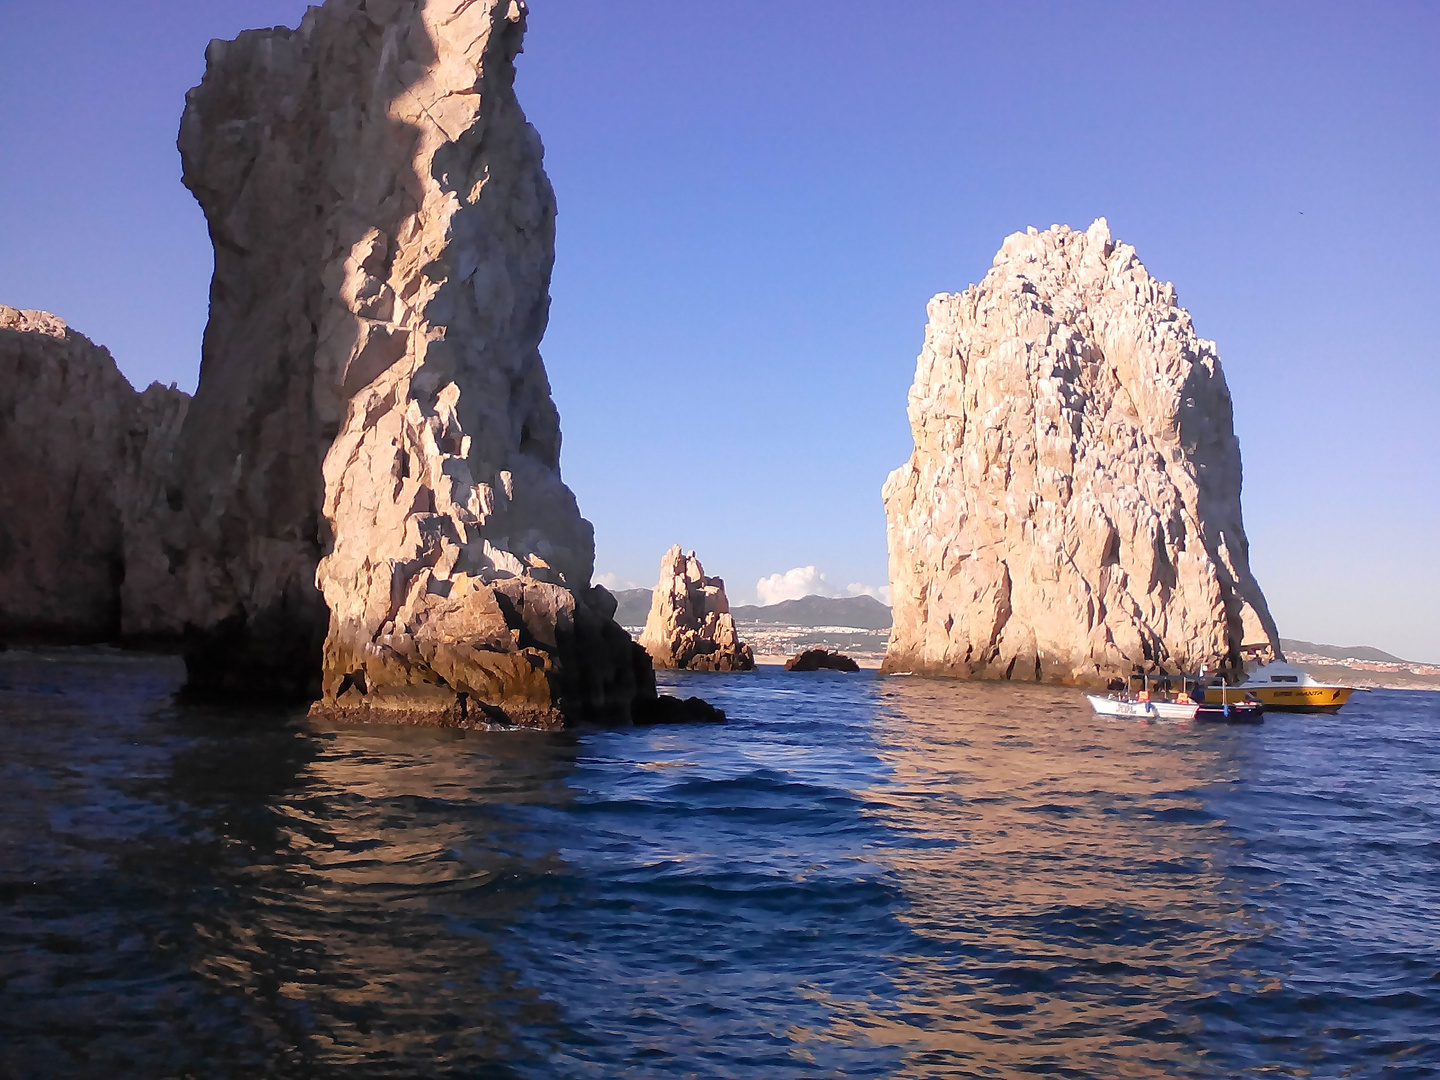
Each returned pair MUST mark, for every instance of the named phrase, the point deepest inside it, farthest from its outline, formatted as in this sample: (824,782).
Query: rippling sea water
(855,877)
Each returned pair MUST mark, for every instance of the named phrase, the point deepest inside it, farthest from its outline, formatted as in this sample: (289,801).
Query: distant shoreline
(867,663)
(1360,666)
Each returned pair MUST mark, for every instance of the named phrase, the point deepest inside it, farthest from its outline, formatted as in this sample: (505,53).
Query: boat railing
(1143,685)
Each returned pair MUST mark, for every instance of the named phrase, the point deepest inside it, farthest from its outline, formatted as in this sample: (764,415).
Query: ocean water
(855,877)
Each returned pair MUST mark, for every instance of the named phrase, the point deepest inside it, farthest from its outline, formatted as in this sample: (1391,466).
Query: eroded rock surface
(84,457)
(450,596)
(690,625)
(1072,506)
(372,391)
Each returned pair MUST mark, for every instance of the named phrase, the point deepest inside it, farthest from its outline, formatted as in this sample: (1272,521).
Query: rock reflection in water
(192,891)
(382,853)
(1059,876)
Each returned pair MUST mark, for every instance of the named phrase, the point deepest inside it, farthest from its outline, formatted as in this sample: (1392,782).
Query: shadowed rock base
(662,709)
(669,710)
(738,659)
(820,660)
(271,653)
(514,653)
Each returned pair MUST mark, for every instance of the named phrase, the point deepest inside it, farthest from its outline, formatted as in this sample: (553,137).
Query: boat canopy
(1279,673)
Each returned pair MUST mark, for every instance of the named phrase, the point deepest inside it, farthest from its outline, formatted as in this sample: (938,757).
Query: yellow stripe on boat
(1313,697)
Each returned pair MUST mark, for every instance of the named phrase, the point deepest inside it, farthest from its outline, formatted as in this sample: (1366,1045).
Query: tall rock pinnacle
(1071,509)
(373,421)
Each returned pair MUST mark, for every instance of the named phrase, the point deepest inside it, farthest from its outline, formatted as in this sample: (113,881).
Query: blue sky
(756,203)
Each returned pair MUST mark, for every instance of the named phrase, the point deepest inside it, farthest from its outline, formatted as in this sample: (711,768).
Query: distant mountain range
(1339,652)
(856,612)
(632,606)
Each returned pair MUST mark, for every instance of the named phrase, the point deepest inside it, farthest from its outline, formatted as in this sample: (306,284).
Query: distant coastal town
(860,628)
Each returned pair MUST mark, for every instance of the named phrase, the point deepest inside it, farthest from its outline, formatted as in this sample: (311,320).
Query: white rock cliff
(373,421)
(690,625)
(1071,510)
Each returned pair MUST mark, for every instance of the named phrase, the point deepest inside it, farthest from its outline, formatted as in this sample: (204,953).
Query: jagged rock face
(450,598)
(1072,505)
(690,625)
(84,456)
(372,384)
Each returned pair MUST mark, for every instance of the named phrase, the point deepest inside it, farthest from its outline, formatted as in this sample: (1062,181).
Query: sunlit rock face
(690,625)
(1071,509)
(451,597)
(372,402)
(84,456)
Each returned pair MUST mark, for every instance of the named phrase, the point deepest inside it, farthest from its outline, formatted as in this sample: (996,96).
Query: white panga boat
(1136,708)
(1284,686)
(1215,703)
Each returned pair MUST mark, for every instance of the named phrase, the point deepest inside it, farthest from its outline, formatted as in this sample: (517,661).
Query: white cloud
(792,585)
(613,582)
(881,592)
(809,581)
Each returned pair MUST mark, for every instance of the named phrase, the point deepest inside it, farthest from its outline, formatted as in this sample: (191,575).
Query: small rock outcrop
(820,660)
(1071,509)
(85,456)
(690,625)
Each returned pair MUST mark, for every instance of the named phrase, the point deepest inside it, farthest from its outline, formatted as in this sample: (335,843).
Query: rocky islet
(398,539)
(821,660)
(690,625)
(1071,509)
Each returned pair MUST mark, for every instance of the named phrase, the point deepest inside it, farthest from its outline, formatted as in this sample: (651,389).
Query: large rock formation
(83,459)
(371,385)
(1072,506)
(690,625)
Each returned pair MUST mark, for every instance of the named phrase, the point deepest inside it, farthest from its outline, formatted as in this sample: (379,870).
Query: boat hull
(1326,699)
(1142,710)
(1248,712)
(1212,713)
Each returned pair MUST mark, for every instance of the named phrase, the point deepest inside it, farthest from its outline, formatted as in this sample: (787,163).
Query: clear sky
(756,202)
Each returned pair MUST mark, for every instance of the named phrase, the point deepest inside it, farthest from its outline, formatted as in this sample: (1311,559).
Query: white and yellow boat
(1284,686)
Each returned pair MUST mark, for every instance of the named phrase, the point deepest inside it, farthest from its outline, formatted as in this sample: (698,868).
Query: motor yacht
(1284,686)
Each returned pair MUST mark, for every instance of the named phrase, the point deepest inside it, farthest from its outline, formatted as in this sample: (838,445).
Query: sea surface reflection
(855,877)
(1063,877)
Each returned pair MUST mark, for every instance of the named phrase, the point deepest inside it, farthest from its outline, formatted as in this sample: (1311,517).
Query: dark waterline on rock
(854,877)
